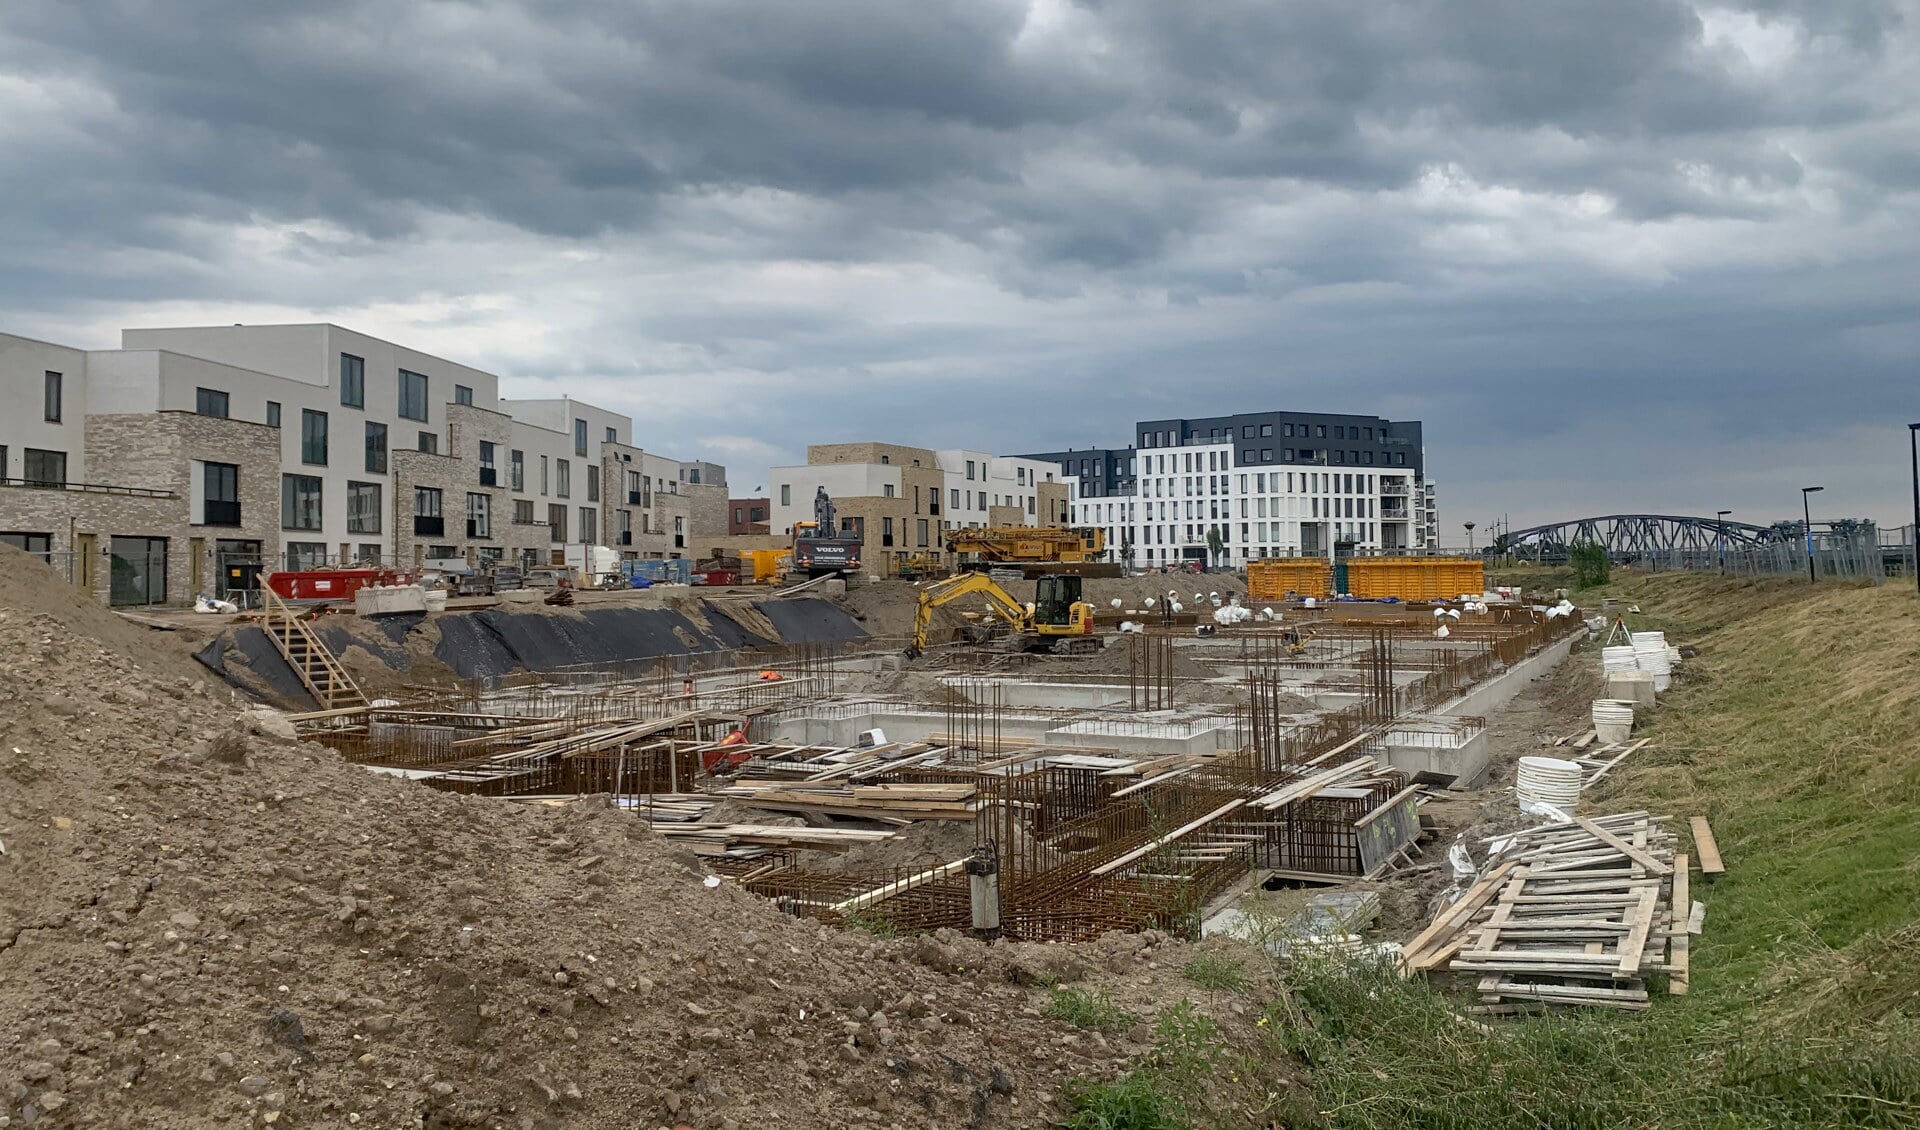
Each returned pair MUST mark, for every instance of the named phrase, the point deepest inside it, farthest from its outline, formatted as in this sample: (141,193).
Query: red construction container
(722,577)
(330,584)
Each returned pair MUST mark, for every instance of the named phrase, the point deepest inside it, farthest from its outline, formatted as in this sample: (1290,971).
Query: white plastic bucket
(1612,719)
(1548,780)
(436,600)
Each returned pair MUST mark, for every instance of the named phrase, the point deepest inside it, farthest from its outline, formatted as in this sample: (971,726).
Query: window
(589,524)
(1266,430)
(613,435)
(969,469)
(376,448)
(313,437)
(786,494)
(1246,455)
(489,475)
(563,478)
(428,520)
(353,381)
(523,511)
(593,482)
(462,395)
(543,474)
(920,532)
(273,413)
(363,508)
(479,516)
(220,483)
(299,502)
(1339,432)
(517,470)
(579,437)
(210,402)
(51,408)
(1246,431)
(413,395)
(556,522)
(886,531)
(1266,455)
(1369,433)
(429,443)
(45,468)
(1286,429)
(1369,457)
(306,555)
(370,551)
(886,490)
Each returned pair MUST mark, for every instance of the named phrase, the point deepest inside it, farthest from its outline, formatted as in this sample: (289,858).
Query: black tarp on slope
(385,647)
(492,643)
(810,621)
(267,664)
(730,632)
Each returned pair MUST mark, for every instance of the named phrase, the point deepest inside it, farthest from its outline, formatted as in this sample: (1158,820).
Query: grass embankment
(1797,731)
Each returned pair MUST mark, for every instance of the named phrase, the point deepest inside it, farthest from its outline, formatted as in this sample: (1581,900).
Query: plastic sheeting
(810,621)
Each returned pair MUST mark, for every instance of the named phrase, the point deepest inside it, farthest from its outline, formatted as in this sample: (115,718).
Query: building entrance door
(139,570)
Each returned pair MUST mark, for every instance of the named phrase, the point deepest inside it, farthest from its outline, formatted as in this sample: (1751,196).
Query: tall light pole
(1806,512)
(1722,535)
(1913,441)
(1469,526)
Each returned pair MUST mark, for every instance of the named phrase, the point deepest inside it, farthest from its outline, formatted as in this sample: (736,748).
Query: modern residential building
(909,496)
(1271,484)
(748,516)
(191,458)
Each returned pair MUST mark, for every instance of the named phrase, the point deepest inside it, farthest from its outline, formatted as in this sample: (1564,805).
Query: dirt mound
(202,924)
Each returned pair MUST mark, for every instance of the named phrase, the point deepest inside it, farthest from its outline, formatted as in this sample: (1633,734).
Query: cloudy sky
(1619,255)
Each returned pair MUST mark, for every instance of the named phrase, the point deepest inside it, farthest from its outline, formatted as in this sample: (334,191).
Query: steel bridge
(1631,535)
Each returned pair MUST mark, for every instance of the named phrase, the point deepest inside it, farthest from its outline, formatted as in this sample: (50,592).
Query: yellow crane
(1028,544)
(1059,621)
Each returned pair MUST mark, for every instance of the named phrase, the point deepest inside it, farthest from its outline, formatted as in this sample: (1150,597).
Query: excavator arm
(955,587)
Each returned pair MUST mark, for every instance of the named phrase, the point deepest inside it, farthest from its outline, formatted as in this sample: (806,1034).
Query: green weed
(1091,1009)
(1221,974)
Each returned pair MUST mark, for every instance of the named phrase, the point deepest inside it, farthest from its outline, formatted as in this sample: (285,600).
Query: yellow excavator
(1059,621)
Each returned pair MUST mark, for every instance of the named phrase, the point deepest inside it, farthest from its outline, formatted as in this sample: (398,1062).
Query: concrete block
(386,600)
(1632,686)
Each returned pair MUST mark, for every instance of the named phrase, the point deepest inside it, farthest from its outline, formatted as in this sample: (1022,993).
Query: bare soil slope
(203,925)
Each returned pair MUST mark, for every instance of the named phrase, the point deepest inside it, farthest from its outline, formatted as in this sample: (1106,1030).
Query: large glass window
(489,475)
(563,478)
(353,381)
(413,395)
(462,395)
(50,409)
(273,413)
(430,442)
(376,448)
(300,502)
(220,483)
(363,508)
(139,567)
(579,437)
(479,516)
(517,470)
(428,521)
(210,402)
(589,524)
(313,437)
(45,468)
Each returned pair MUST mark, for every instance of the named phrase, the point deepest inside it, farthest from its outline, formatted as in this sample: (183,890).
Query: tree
(1216,545)
(1591,566)
(1126,550)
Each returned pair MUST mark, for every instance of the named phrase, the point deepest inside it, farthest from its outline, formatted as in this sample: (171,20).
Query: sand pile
(202,924)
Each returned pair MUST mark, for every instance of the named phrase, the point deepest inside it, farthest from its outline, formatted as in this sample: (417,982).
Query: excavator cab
(1054,596)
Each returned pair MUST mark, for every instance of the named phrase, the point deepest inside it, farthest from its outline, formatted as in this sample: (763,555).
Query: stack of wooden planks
(892,803)
(750,841)
(1568,914)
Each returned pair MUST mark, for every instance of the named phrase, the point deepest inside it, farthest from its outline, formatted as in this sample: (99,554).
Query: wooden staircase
(328,682)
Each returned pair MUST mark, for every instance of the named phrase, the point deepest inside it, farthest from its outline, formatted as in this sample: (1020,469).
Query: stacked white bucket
(1612,720)
(1549,780)
(1619,658)
(1650,651)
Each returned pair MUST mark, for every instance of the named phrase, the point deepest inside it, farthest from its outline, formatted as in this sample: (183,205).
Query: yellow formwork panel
(1415,578)
(1274,578)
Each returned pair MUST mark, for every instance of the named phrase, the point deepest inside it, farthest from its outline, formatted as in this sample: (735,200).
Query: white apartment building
(384,453)
(1181,494)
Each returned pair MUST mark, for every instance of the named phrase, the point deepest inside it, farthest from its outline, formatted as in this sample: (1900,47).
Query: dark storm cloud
(1510,218)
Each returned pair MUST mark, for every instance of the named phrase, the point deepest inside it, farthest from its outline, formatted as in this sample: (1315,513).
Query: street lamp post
(1913,441)
(1806,512)
(1469,526)
(1721,536)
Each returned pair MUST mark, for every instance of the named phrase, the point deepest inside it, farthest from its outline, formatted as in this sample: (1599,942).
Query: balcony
(44,483)
(489,477)
(220,513)
(423,527)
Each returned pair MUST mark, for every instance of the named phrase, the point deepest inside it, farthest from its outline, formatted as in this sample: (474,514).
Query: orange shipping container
(1273,578)
(1415,578)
